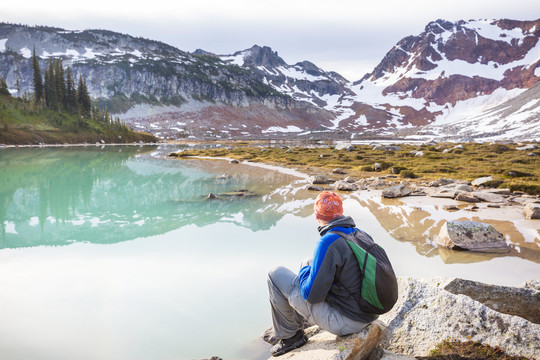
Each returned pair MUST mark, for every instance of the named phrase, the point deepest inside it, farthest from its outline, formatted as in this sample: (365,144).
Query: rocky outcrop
(429,311)
(472,236)
(523,301)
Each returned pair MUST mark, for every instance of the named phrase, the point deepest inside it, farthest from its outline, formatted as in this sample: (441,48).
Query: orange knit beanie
(328,206)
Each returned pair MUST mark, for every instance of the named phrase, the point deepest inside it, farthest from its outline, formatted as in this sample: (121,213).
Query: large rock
(339,171)
(466,197)
(522,301)
(443,193)
(471,235)
(345,186)
(427,313)
(319,179)
(480,181)
(396,191)
(532,211)
(488,196)
(441,182)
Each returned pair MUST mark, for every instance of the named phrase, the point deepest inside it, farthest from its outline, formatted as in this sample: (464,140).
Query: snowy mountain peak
(254,57)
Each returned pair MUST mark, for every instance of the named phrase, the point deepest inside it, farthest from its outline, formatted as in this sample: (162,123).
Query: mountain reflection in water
(109,195)
(106,195)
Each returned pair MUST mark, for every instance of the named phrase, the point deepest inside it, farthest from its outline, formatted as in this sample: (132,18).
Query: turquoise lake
(114,252)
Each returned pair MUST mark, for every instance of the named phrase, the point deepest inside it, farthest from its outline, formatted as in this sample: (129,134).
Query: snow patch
(67,53)
(234,59)
(294,73)
(288,129)
(26,52)
(475,106)
(90,54)
(3,44)
(537,71)
(489,30)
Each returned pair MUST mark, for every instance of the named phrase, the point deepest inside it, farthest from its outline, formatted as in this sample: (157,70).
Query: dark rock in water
(315,188)
(472,236)
(211,196)
(238,193)
(450,207)
(214,358)
(234,161)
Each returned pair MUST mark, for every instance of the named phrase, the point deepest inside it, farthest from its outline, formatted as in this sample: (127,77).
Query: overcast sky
(349,37)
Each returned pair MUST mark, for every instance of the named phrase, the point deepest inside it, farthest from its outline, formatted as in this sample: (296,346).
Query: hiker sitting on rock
(342,289)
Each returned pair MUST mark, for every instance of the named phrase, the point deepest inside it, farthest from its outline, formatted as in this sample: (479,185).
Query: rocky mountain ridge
(123,71)
(434,84)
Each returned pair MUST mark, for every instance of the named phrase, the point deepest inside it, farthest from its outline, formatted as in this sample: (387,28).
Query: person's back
(327,288)
(334,275)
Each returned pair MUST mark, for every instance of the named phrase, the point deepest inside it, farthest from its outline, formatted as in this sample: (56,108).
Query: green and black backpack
(378,283)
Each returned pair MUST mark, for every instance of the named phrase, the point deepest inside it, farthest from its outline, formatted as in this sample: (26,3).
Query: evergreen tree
(59,83)
(3,87)
(83,98)
(50,87)
(38,81)
(70,103)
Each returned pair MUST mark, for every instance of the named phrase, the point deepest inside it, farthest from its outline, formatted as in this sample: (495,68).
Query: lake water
(114,253)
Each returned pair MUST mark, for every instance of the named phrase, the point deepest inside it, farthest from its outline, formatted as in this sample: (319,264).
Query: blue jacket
(334,275)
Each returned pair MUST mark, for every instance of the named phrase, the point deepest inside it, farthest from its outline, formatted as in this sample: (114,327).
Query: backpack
(378,283)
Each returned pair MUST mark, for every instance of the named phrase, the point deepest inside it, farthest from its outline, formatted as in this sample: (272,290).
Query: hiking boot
(286,345)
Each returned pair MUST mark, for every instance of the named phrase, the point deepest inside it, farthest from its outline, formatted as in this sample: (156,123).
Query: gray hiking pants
(289,308)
